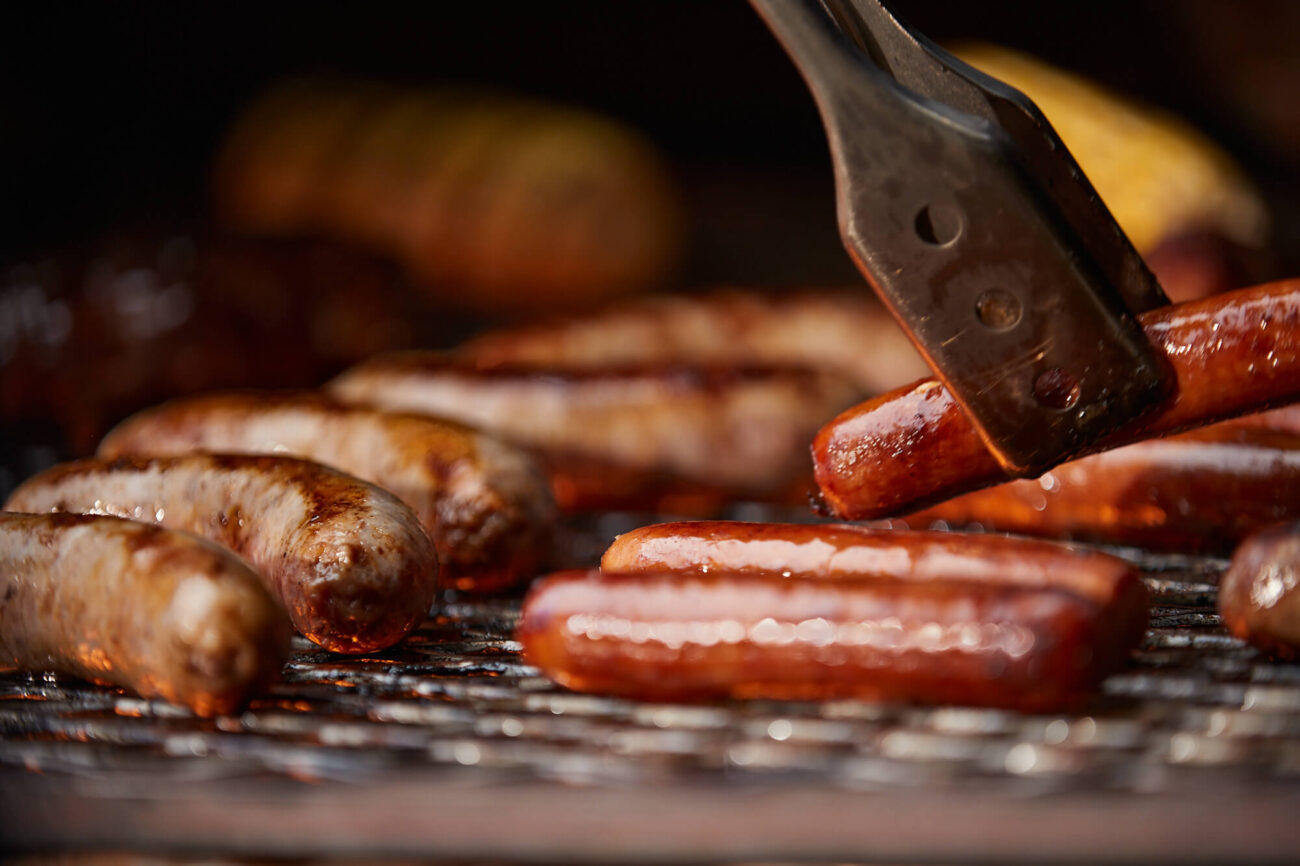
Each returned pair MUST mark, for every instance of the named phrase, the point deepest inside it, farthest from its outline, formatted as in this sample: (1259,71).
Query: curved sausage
(485,504)
(160,612)
(1257,594)
(349,561)
(1230,354)
(1199,491)
(763,635)
(745,429)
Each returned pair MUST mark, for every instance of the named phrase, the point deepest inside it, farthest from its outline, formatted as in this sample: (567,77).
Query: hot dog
(745,429)
(159,612)
(1202,491)
(349,561)
(1257,594)
(722,609)
(485,504)
(1230,354)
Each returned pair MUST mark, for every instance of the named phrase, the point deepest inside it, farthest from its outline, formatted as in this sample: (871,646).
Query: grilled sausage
(1257,594)
(1234,353)
(759,634)
(160,612)
(485,504)
(745,429)
(839,552)
(491,203)
(349,561)
(1201,491)
(844,332)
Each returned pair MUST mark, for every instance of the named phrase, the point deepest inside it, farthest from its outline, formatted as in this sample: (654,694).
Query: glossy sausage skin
(846,553)
(349,561)
(744,429)
(762,635)
(1258,595)
(1230,354)
(485,504)
(1200,491)
(162,613)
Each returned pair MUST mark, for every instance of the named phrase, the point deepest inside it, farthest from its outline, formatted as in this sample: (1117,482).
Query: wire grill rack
(450,746)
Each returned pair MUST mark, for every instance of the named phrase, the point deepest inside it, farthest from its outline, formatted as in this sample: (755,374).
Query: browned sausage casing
(797,612)
(847,332)
(1258,595)
(1234,353)
(163,613)
(348,560)
(1199,491)
(485,503)
(744,429)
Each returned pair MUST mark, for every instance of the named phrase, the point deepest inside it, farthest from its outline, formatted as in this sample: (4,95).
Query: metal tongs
(974,224)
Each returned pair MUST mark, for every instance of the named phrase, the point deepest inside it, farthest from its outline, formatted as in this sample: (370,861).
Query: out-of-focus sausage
(1257,595)
(1230,354)
(349,561)
(1199,491)
(846,332)
(485,504)
(163,613)
(491,202)
(742,429)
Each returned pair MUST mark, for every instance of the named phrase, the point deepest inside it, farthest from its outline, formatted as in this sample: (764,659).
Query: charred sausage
(796,612)
(485,504)
(349,561)
(160,612)
(1230,354)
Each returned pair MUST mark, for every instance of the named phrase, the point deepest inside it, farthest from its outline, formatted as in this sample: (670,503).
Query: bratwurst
(349,561)
(485,504)
(163,613)
(744,429)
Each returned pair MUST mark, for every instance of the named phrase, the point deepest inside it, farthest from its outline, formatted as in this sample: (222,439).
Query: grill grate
(455,708)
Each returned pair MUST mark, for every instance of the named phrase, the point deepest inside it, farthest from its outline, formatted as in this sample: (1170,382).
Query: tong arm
(948,219)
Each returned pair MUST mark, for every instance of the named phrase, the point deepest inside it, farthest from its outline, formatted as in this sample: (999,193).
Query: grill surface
(450,746)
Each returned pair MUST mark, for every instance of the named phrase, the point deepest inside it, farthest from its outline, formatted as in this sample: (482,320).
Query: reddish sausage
(163,613)
(718,609)
(1257,595)
(1230,354)
(349,561)
(1200,491)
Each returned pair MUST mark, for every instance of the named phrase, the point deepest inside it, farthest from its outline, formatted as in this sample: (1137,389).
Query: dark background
(111,111)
